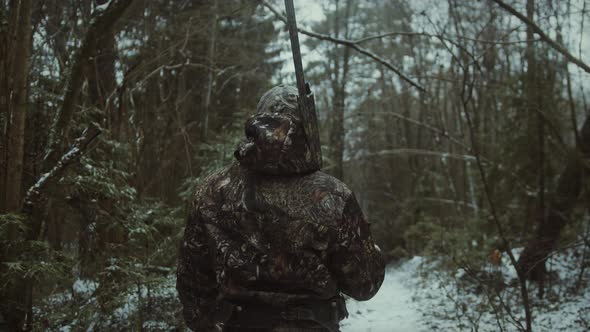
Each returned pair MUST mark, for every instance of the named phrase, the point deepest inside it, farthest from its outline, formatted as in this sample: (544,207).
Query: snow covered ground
(410,302)
(416,296)
(392,309)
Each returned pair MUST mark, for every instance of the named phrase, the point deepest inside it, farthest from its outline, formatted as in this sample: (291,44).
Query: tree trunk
(16,97)
(211,69)
(339,88)
(18,294)
(4,75)
(16,50)
(100,75)
(558,209)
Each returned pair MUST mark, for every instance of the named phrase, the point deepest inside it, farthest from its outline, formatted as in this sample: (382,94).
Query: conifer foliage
(90,227)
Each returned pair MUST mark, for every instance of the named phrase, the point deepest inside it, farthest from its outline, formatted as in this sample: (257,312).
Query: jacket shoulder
(330,184)
(212,183)
(328,195)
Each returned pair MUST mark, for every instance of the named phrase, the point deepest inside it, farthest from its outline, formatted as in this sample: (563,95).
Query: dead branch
(560,49)
(36,191)
(349,43)
(424,34)
(420,152)
(437,131)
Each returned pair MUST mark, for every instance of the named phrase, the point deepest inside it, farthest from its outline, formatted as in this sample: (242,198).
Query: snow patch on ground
(416,297)
(391,309)
(84,287)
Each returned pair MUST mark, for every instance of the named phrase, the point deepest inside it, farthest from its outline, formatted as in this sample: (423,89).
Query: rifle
(306,100)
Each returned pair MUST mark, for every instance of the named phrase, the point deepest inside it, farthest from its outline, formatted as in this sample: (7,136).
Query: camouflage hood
(275,140)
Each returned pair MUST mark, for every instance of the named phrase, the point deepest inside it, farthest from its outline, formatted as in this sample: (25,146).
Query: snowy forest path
(391,310)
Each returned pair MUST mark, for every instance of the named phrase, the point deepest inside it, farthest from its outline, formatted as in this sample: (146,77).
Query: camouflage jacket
(270,228)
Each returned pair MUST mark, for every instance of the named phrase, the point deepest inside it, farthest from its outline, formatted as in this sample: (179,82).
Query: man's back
(267,231)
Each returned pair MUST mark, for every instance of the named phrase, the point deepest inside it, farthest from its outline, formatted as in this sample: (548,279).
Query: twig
(440,132)
(466,97)
(472,274)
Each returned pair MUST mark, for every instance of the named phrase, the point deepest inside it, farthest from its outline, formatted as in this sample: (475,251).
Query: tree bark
(100,75)
(211,69)
(4,65)
(339,84)
(535,130)
(16,98)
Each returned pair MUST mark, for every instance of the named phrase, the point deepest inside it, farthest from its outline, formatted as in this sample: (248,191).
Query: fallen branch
(349,43)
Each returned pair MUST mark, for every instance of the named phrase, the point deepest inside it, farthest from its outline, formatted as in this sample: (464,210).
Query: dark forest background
(462,127)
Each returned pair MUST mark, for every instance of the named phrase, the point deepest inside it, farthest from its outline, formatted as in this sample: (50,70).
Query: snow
(84,287)
(391,309)
(102,7)
(416,297)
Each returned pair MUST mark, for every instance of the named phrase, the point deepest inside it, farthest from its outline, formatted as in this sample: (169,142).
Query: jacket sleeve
(355,259)
(196,282)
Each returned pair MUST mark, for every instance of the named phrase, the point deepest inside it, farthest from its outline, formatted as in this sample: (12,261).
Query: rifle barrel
(292,25)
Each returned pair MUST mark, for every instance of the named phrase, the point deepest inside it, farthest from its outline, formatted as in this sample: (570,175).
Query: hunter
(271,242)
